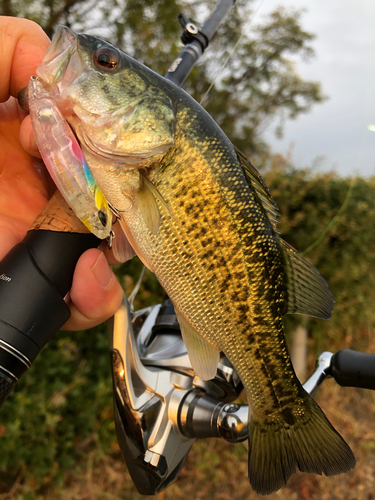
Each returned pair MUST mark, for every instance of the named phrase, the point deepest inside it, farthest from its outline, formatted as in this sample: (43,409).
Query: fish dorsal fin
(308,292)
(256,181)
(121,247)
(146,198)
(203,357)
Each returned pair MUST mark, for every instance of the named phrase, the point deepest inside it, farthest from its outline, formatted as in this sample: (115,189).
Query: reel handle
(354,369)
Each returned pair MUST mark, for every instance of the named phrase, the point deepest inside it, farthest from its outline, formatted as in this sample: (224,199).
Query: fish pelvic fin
(307,440)
(121,247)
(204,358)
(308,292)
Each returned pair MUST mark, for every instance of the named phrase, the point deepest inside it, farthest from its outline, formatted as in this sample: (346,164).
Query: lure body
(65,161)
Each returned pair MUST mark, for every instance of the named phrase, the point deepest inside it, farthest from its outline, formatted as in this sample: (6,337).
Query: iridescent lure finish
(65,161)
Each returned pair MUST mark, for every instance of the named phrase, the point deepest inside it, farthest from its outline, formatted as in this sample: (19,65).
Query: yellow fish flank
(201,218)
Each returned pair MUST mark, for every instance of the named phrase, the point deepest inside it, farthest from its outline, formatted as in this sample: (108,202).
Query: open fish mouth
(58,56)
(55,62)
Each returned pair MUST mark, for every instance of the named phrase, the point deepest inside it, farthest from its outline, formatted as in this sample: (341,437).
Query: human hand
(25,186)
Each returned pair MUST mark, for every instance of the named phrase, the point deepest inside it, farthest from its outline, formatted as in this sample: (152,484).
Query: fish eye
(106,58)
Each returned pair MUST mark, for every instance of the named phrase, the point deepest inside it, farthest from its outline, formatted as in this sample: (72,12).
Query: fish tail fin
(277,446)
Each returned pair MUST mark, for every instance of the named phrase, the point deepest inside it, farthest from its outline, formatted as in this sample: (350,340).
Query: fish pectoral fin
(148,207)
(308,292)
(146,198)
(121,247)
(203,357)
(154,190)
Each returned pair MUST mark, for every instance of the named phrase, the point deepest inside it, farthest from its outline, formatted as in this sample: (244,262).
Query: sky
(334,135)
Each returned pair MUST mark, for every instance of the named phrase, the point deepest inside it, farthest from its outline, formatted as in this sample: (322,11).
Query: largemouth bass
(199,215)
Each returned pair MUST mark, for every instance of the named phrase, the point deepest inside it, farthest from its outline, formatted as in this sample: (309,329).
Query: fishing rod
(196,40)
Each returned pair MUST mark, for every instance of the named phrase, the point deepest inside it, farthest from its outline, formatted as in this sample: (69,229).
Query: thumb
(95,294)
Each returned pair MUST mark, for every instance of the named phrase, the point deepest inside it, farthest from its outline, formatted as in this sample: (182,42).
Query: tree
(259,82)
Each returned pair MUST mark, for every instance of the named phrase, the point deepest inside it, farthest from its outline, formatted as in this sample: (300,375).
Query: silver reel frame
(161,406)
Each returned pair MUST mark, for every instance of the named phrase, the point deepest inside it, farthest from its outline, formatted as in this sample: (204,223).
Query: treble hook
(110,238)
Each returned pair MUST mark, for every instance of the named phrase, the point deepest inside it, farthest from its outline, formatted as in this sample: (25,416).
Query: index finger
(23,45)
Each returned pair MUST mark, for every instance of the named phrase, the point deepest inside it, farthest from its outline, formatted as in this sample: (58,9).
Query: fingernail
(102,272)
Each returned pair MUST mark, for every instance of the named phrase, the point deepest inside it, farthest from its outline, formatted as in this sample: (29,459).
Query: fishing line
(333,220)
(204,97)
(341,210)
(136,289)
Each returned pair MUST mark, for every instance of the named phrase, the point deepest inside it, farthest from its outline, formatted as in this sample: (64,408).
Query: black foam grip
(34,278)
(354,369)
(56,254)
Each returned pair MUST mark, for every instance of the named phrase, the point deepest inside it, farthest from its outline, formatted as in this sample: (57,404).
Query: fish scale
(237,294)
(201,218)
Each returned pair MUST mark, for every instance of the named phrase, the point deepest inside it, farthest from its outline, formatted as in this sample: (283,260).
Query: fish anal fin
(308,292)
(203,357)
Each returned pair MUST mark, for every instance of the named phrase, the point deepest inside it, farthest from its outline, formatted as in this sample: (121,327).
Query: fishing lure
(66,163)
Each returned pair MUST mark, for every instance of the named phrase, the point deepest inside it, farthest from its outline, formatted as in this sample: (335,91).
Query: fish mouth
(63,35)
(55,62)
(58,56)
(61,65)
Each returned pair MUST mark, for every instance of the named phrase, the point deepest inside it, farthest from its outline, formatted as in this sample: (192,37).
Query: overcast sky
(345,66)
